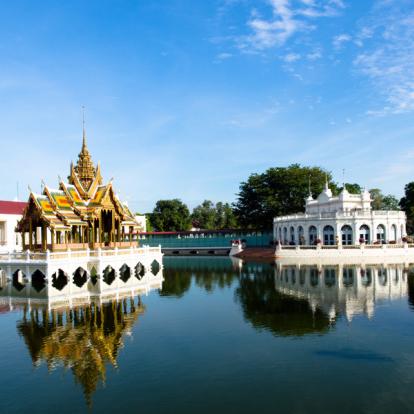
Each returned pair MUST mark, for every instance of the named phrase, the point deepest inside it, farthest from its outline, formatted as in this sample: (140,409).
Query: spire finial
(83,128)
(326,181)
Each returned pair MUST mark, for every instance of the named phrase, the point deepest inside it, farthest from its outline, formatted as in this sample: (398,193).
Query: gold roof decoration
(79,202)
(84,176)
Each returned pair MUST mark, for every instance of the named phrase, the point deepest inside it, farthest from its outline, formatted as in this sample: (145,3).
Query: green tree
(390,202)
(383,202)
(276,192)
(204,215)
(352,188)
(225,217)
(213,217)
(170,215)
(407,204)
(148,222)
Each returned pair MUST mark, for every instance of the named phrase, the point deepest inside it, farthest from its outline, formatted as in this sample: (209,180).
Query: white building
(142,221)
(346,219)
(10,213)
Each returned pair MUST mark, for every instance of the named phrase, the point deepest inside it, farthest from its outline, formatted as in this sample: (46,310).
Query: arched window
(366,277)
(381,233)
(394,235)
(18,280)
(348,276)
(328,236)
(301,236)
(292,235)
(80,277)
(347,235)
(285,235)
(394,275)
(312,235)
(292,275)
(60,279)
(330,276)
(108,275)
(302,275)
(38,280)
(314,278)
(155,267)
(364,234)
(3,279)
(382,276)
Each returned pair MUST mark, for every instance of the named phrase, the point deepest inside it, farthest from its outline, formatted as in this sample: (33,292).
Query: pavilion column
(100,228)
(66,239)
(30,234)
(113,226)
(93,232)
(119,231)
(44,237)
(52,231)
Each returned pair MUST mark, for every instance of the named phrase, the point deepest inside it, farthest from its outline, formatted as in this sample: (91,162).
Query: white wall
(9,222)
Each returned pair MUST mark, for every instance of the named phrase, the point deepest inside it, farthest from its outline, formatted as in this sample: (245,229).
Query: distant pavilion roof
(12,207)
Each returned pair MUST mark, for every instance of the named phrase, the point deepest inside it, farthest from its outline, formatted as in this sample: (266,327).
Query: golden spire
(84,167)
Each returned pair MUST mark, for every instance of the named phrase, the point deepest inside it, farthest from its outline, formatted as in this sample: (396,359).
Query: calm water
(220,337)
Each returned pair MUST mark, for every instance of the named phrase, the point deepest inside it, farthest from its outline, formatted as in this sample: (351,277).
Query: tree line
(277,191)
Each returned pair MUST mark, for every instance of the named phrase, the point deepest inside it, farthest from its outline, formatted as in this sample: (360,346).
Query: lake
(220,336)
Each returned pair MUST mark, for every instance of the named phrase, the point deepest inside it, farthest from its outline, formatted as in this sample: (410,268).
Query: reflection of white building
(10,214)
(343,289)
(345,219)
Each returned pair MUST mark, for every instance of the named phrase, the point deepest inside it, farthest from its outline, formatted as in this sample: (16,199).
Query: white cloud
(387,59)
(315,55)
(288,18)
(291,57)
(339,40)
(224,56)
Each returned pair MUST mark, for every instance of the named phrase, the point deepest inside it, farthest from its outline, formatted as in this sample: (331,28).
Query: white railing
(338,247)
(367,214)
(28,256)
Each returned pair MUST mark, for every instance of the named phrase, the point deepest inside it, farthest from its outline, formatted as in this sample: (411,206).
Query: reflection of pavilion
(347,289)
(84,337)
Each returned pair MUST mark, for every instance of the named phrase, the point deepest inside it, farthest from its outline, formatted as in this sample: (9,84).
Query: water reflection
(253,283)
(342,289)
(80,333)
(206,273)
(266,308)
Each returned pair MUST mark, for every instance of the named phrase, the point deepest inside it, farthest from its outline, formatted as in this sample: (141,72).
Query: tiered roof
(79,200)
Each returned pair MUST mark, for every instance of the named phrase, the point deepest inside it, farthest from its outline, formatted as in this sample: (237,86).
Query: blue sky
(186,98)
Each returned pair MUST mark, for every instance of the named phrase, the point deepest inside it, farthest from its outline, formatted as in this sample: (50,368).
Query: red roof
(12,207)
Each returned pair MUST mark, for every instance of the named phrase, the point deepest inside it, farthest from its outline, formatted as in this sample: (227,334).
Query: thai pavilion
(346,219)
(82,213)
